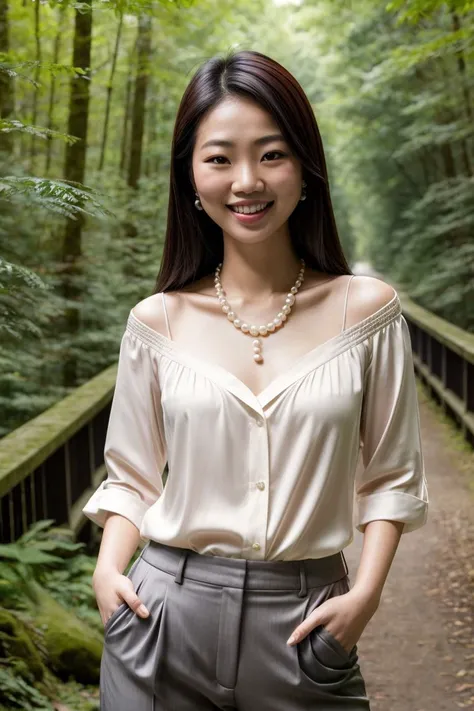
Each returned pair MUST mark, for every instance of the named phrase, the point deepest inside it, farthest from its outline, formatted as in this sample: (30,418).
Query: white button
(260,485)
(256,546)
(259,421)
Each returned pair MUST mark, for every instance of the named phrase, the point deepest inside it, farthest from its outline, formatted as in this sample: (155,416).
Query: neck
(254,275)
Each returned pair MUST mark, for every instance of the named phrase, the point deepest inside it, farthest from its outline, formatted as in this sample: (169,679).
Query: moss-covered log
(74,649)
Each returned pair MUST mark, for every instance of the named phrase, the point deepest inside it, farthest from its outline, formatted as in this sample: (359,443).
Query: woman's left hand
(344,616)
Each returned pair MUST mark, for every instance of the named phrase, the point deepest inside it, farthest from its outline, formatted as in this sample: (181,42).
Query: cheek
(286,178)
(208,183)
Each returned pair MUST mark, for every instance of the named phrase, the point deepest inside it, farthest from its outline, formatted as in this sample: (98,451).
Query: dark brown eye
(278,154)
(210,160)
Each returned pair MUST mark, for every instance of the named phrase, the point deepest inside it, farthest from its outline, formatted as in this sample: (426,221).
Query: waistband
(249,574)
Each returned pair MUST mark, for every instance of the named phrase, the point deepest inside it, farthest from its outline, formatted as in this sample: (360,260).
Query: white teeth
(249,209)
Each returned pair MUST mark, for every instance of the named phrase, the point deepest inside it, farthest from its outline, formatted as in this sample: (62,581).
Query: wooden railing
(444,361)
(51,465)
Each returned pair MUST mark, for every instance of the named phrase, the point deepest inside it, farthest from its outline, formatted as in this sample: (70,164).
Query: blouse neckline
(309,361)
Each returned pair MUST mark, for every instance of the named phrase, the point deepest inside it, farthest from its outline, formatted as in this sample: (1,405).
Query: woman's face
(241,156)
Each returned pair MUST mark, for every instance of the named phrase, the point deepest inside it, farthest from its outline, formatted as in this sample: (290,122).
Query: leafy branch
(7,126)
(63,197)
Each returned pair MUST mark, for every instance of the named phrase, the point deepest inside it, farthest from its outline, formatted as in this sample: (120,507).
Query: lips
(250,218)
(266,205)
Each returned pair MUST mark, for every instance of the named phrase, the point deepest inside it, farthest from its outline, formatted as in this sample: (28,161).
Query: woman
(257,369)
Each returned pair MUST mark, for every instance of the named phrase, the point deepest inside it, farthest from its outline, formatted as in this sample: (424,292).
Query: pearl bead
(265,329)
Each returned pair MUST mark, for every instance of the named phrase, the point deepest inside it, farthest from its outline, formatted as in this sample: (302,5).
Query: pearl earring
(197,203)
(303,192)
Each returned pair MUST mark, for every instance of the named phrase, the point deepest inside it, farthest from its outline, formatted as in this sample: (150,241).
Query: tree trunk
(34,117)
(109,93)
(74,170)
(139,100)
(461,62)
(125,124)
(52,88)
(7,86)
(150,135)
(126,115)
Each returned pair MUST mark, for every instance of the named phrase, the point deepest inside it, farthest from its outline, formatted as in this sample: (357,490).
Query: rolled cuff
(392,506)
(115,500)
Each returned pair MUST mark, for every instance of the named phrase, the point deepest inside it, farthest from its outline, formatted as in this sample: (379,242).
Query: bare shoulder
(150,312)
(367,295)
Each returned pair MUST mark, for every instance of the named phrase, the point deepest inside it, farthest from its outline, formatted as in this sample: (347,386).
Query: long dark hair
(194,244)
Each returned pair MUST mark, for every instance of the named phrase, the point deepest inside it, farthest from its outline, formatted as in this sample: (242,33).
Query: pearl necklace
(266,329)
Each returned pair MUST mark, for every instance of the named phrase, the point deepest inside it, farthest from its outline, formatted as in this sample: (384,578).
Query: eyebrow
(228,144)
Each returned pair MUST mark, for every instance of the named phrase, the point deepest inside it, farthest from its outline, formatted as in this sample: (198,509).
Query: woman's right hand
(111,589)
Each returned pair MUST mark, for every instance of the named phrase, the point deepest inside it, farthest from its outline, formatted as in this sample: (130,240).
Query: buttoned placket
(259,486)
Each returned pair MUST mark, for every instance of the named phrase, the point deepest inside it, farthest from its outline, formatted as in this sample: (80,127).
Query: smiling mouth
(250,209)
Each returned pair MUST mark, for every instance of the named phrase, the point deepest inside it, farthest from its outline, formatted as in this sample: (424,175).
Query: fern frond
(38,131)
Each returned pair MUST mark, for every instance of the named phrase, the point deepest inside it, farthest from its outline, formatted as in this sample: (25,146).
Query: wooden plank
(447,396)
(26,448)
(76,517)
(453,337)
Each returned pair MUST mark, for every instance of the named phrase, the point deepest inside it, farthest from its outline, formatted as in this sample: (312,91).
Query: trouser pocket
(321,657)
(136,642)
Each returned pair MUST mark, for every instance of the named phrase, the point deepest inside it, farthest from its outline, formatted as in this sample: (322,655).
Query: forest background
(89,93)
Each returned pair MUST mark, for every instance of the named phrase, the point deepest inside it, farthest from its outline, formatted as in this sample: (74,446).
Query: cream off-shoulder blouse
(269,476)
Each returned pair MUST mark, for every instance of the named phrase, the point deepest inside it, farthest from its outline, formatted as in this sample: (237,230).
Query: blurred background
(88,97)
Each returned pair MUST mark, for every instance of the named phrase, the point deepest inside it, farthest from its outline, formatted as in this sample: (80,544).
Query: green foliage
(18,288)
(59,196)
(18,693)
(394,95)
(413,11)
(42,549)
(43,566)
(38,131)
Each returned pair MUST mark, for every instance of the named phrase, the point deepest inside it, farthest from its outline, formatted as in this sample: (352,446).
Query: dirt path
(417,653)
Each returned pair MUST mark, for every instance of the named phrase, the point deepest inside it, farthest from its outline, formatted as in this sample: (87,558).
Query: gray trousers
(216,637)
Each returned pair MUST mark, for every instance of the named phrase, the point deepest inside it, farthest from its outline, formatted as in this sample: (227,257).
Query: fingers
(133,601)
(305,628)
(124,593)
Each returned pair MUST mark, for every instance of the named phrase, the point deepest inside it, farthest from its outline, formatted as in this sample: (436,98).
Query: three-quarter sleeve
(391,484)
(135,449)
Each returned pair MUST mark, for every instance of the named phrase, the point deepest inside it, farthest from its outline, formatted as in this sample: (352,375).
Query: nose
(247,180)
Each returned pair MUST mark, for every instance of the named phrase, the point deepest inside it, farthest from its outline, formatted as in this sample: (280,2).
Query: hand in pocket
(343,616)
(111,589)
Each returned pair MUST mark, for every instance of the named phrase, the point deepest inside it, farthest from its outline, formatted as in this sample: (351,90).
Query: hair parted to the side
(193,243)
